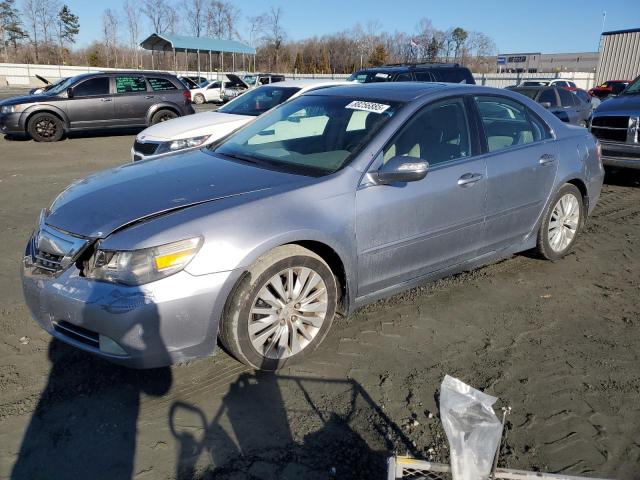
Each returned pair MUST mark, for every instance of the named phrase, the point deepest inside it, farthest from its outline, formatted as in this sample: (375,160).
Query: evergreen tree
(11,31)
(68,28)
(378,56)
(298,65)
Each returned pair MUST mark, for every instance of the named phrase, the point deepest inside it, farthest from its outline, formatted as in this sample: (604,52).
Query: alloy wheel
(46,127)
(288,312)
(564,221)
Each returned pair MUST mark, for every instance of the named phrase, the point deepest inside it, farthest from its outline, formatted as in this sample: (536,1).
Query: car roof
(393,91)
(412,67)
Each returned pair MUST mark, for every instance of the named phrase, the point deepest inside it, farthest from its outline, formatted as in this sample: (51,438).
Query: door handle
(469,179)
(149,96)
(105,99)
(547,158)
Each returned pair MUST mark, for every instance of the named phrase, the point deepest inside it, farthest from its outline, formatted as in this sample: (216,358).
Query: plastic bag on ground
(472,428)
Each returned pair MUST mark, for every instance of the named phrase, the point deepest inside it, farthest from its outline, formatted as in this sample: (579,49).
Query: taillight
(187,95)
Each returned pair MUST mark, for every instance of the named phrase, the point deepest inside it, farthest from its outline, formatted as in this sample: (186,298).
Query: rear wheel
(163,116)
(45,127)
(281,310)
(561,224)
(198,99)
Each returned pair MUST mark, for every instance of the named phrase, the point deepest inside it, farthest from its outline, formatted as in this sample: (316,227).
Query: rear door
(132,100)
(91,105)
(570,105)
(405,231)
(521,169)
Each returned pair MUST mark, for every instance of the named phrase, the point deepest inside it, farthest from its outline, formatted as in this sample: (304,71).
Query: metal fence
(16,74)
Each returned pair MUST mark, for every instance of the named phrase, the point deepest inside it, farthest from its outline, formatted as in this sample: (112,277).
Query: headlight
(9,109)
(136,267)
(181,144)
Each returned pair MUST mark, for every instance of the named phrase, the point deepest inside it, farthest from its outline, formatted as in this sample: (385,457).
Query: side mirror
(70,92)
(400,169)
(546,104)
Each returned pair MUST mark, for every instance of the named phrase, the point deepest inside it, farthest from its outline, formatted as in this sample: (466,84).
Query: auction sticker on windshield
(367,106)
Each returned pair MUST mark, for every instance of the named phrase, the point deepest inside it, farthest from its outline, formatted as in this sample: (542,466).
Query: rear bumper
(618,154)
(164,322)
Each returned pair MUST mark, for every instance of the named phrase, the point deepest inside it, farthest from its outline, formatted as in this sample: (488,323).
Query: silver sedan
(330,201)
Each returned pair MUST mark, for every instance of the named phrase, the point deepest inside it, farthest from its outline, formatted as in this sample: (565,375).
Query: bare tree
(195,16)
(132,24)
(30,10)
(160,14)
(110,35)
(275,32)
(221,19)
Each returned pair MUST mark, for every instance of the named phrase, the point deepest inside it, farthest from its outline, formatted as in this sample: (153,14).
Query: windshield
(256,102)
(634,87)
(249,79)
(370,77)
(311,135)
(62,87)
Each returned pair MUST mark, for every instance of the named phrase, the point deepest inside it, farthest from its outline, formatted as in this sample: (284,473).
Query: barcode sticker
(367,106)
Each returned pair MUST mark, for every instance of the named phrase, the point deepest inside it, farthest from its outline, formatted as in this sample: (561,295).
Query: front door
(91,105)
(405,231)
(521,169)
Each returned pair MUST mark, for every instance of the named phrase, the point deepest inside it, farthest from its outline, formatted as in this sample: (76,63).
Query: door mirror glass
(70,92)
(400,169)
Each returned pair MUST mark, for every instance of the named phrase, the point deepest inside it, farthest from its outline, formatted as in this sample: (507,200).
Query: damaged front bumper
(172,320)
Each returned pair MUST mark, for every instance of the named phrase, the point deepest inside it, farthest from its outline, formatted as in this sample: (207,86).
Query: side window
(451,75)
(423,77)
(92,87)
(404,77)
(508,123)
(437,134)
(549,96)
(161,84)
(567,99)
(130,84)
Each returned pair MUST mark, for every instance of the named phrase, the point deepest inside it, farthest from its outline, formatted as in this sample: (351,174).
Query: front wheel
(45,127)
(281,309)
(561,223)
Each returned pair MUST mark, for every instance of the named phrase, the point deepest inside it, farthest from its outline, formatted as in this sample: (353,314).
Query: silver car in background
(329,201)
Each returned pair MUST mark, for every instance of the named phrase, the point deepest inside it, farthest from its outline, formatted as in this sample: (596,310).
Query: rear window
(452,75)
(161,84)
(130,84)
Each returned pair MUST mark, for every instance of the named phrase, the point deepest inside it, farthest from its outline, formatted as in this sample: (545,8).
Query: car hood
(237,81)
(625,104)
(109,200)
(27,99)
(205,123)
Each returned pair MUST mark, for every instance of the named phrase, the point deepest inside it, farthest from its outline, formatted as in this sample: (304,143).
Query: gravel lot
(557,341)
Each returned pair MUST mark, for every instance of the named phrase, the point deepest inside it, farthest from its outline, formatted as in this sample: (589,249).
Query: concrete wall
(24,75)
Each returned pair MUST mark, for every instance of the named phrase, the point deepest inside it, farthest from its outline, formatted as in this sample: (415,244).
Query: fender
(159,106)
(43,107)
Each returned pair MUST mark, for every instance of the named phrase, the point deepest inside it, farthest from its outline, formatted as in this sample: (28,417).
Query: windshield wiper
(242,158)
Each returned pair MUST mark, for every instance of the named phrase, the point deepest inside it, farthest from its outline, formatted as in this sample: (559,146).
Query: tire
(162,116)
(198,99)
(241,328)
(554,246)
(45,127)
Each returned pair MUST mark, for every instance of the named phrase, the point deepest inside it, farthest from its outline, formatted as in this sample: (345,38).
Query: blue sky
(516,26)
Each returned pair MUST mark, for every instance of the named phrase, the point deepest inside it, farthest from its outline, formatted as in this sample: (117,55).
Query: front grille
(612,128)
(616,154)
(145,148)
(611,122)
(48,261)
(82,335)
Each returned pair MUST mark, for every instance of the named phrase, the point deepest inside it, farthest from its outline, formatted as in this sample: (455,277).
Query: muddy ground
(558,342)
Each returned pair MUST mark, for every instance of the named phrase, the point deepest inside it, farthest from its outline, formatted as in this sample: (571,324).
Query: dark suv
(96,101)
(415,72)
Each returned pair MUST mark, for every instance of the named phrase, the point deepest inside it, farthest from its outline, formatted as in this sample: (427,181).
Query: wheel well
(164,107)
(579,184)
(330,256)
(26,122)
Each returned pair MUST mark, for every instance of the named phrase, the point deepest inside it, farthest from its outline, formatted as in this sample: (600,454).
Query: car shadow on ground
(85,422)
(250,436)
(120,132)
(622,177)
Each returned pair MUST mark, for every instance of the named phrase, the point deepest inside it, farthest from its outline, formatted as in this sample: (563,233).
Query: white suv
(196,131)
